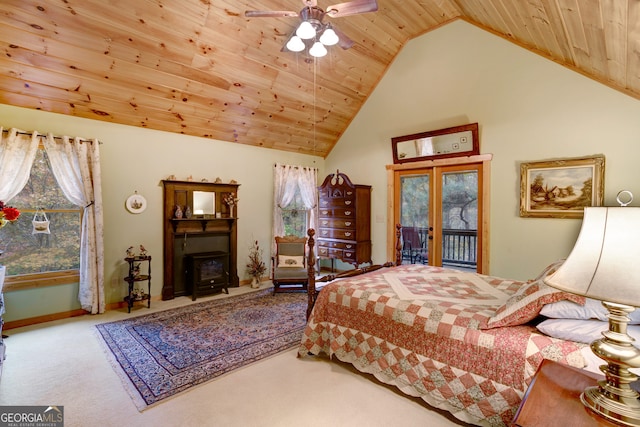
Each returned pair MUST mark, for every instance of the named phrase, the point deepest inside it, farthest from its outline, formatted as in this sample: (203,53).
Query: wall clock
(136,203)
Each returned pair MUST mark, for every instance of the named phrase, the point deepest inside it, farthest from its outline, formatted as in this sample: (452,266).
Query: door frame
(393,186)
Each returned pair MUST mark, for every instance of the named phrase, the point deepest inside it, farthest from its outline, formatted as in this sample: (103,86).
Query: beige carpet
(62,363)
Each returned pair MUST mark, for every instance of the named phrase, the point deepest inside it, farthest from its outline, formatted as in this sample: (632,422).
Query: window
(295,217)
(41,259)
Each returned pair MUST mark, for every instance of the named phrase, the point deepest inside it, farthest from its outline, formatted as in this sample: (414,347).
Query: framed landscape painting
(561,188)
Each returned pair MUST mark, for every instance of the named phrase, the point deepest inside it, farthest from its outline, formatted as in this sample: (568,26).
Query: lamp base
(611,409)
(614,399)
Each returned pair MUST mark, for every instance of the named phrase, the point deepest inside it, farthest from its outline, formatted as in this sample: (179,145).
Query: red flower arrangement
(7,214)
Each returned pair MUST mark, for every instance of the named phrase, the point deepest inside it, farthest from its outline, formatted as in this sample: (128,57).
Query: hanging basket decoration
(40,222)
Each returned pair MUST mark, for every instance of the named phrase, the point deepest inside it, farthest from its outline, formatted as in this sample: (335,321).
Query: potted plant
(255,266)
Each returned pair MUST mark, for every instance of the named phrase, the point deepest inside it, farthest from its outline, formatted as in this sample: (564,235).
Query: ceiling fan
(312,33)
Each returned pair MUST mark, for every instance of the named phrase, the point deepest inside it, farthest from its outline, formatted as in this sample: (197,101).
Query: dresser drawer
(337,233)
(334,250)
(323,251)
(337,203)
(337,223)
(337,212)
(340,245)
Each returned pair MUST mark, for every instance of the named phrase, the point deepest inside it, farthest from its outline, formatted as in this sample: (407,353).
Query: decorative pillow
(290,261)
(526,304)
(592,309)
(584,331)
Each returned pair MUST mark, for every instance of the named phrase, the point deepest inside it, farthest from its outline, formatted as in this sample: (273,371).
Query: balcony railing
(459,247)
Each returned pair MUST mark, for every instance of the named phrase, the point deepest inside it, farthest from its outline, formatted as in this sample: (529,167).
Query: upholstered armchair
(289,265)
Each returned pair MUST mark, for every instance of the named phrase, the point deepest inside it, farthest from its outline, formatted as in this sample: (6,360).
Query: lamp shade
(318,50)
(295,44)
(329,37)
(605,261)
(306,31)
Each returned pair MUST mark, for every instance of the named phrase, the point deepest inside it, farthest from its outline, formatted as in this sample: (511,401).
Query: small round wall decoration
(136,203)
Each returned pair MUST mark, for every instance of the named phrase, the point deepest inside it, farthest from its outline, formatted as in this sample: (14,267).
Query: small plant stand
(134,277)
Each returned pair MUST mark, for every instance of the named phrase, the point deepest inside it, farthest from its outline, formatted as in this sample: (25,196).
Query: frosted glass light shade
(295,44)
(318,50)
(306,31)
(329,37)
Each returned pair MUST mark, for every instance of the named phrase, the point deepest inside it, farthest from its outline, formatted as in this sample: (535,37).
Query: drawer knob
(325,232)
(349,246)
(347,213)
(347,202)
(347,234)
(325,212)
(325,222)
(348,223)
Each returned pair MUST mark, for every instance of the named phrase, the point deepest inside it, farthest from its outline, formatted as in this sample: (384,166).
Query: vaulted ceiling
(200,67)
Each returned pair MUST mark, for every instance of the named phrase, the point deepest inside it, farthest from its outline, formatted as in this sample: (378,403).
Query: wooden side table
(553,398)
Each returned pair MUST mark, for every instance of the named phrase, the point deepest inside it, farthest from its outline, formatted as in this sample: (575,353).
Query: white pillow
(290,261)
(592,309)
(584,331)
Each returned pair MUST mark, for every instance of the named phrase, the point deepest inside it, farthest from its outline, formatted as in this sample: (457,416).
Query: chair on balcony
(289,265)
(414,246)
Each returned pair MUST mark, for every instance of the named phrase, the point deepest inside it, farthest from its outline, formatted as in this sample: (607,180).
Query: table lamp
(605,265)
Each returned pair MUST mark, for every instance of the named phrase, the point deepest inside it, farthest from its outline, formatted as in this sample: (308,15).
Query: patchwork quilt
(462,342)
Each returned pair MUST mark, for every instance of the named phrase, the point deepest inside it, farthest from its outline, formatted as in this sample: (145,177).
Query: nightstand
(553,398)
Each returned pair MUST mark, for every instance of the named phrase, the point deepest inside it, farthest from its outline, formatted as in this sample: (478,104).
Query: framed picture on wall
(561,188)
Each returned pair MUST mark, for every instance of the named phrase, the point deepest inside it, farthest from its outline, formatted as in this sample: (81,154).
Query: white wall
(137,159)
(528,109)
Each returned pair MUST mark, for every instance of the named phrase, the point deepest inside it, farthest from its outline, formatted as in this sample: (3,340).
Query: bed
(463,342)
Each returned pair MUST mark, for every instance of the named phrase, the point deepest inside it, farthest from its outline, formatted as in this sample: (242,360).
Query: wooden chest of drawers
(344,220)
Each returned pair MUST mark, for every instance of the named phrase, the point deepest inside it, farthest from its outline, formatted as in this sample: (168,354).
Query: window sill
(41,280)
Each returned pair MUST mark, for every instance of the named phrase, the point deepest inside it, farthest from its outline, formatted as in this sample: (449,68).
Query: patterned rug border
(286,340)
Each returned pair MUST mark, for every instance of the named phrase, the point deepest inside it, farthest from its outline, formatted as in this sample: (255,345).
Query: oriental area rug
(161,354)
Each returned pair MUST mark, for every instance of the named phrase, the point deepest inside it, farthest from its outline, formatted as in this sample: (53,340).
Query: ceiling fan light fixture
(295,44)
(318,50)
(329,37)
(306,31)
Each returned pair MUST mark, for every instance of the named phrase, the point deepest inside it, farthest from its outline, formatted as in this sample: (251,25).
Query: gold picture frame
(561,188)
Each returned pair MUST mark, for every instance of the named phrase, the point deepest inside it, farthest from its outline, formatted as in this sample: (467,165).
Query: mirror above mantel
(436,144)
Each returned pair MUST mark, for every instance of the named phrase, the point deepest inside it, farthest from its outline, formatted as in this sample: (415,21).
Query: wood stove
(207,273)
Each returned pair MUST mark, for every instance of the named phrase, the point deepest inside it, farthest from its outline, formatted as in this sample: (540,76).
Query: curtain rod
(44,136)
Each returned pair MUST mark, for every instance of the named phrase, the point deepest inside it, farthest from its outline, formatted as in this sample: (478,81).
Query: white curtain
(17,152)
(308,184)
(76,166)
(286,180)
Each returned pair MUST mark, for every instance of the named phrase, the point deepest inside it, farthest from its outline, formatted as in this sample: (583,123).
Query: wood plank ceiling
(199,67)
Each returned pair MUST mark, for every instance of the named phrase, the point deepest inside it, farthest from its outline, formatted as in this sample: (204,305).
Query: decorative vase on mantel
(178,212)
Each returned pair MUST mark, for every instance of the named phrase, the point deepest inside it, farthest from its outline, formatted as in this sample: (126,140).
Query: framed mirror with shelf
(455,141)
(204,204)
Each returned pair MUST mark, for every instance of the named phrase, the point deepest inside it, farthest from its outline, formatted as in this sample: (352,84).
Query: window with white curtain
(294,216)
(53,249)
(295,199)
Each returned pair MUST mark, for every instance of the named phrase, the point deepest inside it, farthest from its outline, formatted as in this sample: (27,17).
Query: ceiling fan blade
(352,8)
(344,41)
(269,13)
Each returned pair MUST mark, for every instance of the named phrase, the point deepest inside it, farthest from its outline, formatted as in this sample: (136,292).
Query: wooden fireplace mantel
(199,233)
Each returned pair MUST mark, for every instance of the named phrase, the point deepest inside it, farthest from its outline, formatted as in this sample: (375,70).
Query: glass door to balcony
(440,212)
